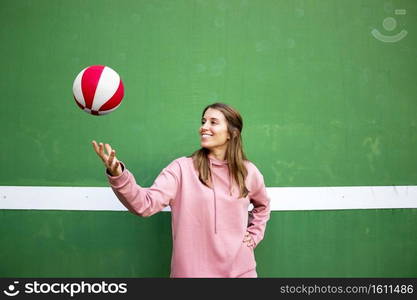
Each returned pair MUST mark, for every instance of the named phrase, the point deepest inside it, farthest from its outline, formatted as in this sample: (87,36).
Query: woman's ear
(235,133)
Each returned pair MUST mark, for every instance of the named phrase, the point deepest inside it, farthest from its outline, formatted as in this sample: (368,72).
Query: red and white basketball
(98,90)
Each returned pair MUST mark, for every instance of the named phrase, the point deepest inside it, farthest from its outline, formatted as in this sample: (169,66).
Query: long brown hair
(234,154)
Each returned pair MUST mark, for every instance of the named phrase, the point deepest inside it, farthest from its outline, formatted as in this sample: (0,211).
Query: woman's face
(213,130)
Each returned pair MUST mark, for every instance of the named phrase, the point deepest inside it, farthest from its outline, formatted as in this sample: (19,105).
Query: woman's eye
(212,122)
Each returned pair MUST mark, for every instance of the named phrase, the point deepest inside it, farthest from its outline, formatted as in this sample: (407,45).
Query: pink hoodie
(208,225)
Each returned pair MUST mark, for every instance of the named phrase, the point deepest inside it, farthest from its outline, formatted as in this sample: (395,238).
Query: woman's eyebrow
(210,118)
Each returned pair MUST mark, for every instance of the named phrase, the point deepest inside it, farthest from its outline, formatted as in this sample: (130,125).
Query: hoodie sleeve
(261,208)
(146,201)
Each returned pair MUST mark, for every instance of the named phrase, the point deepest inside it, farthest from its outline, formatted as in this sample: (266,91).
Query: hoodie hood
(217,162)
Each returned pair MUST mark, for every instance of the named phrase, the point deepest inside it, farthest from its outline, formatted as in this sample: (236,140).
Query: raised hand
(109,159)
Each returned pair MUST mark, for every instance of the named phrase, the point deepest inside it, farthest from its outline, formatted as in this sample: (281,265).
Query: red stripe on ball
(89,83)
(115,99)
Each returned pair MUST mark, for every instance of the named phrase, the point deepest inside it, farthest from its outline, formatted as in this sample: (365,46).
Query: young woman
(209,194)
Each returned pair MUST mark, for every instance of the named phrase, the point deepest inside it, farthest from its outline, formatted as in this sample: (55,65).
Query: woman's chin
(204,145)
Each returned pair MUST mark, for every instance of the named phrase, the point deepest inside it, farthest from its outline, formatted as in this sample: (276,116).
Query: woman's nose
(205,126)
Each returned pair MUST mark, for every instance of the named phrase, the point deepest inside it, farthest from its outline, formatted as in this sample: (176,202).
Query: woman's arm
(141,201)
(146,201)
(260,213)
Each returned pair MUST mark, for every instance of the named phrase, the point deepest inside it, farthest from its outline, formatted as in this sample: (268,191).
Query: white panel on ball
(106,87)
(76,88)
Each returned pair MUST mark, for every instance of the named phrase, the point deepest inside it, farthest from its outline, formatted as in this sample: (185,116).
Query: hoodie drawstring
(214,192)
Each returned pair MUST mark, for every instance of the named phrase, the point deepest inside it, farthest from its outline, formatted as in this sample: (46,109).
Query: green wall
(324,104)
(347,243)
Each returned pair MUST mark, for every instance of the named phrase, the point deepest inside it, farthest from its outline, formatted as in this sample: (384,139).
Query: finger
(95,146)
(111,159)
(114,166)
(108,148)
(249,239)
(101,150)
(252,243)
(249,243)
(97,150)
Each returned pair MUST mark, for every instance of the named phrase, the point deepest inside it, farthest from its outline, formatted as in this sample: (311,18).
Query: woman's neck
(219,155)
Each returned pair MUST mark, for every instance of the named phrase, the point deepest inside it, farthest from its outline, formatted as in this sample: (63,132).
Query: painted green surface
(351,243)
(324,102)
(86,244)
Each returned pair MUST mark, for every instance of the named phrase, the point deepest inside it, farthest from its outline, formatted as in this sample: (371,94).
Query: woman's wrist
(118,171)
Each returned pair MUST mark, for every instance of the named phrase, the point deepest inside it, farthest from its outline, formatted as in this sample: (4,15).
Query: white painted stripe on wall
(329,198)
(282,198)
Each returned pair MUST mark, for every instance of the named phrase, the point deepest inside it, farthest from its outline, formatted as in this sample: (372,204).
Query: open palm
(109,159)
